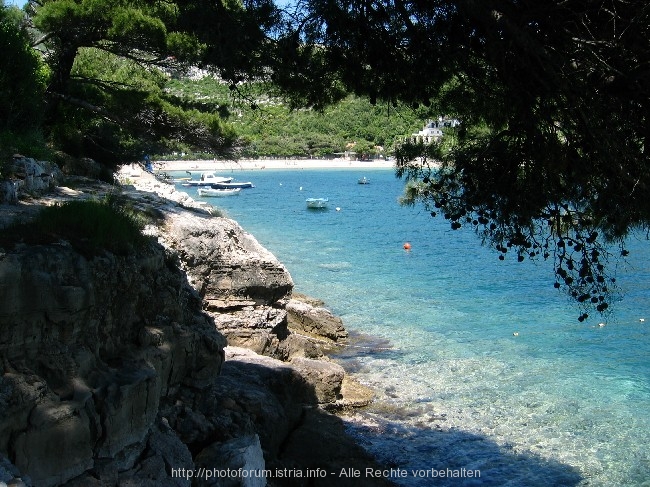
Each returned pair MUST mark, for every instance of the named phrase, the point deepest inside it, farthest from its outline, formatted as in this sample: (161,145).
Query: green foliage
(109,62)
(125,113)
(124,26)
(237,36)
(185,46)
(268,127)
(22,84)
(28,142)
(90,226)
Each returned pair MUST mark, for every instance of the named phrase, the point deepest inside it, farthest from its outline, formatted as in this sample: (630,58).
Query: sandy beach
(260,164)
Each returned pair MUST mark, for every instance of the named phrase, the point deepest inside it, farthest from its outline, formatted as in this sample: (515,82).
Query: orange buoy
(407,246)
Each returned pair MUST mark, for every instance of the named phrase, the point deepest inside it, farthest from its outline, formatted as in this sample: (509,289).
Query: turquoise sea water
(561,403)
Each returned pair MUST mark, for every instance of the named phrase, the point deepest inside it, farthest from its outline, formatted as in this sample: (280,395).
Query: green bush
(268,127)
(28,143)
(90,226)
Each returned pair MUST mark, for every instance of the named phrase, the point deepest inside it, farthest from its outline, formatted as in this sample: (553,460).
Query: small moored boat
(232,185)
(317,202)
(208,179)
(364,180)
(218,192)
(180,180)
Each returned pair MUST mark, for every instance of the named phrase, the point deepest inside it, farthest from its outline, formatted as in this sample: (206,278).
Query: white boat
(218,192)
(208,179)
(317,202)
(232,185)
(364,180)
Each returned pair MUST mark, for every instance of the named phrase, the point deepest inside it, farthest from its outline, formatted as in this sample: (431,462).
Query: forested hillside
(266,126)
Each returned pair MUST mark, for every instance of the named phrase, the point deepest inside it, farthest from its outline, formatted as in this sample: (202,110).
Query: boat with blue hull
(233,185)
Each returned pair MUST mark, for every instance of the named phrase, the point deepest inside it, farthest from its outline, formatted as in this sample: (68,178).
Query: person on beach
(147,163)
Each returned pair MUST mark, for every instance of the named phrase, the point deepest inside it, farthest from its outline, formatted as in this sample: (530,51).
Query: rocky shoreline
(194,354)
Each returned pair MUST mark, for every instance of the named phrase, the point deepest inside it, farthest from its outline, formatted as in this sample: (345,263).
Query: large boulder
(241,460)
(9,191)
(225,264)
(243,286)
(312,318)
(27,176)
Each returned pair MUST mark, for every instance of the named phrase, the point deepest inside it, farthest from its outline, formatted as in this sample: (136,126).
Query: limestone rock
(114,368)
(243,286)
(59,440)
(295,345)
(164,452)
(258,328)
(324,377)
(353,395)
(317,321)
(255,394)
(27,176)
(91,348)
(225,264)
(322,442)
(11,476)
(9,191)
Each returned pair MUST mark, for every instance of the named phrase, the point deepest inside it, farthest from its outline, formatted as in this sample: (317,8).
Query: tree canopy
(109,62)
(22,80)
(550,160)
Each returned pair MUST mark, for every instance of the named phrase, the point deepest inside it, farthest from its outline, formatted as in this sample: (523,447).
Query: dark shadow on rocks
(419,449)
(322,446)
(374,447)
(257,395)
(89,351)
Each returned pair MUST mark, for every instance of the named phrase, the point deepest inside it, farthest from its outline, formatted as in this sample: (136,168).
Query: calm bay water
(561,403)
